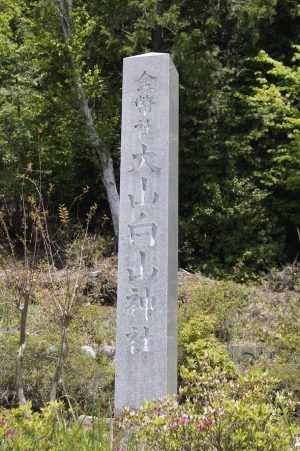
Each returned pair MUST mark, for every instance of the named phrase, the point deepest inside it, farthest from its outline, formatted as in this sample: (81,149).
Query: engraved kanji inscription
(144,158)
(146,83)
(144,199)
(141,275)
(143,302)
(140,343)
(144,125)
(132,337)
(143,233)
(144,104)
(146,340)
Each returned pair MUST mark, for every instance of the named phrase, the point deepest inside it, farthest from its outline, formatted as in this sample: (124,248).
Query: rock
(87,421)
(51,348)
(89,350)
(108,350)
(247,352)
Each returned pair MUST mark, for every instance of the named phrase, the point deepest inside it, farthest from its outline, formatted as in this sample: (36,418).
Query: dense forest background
(238,62)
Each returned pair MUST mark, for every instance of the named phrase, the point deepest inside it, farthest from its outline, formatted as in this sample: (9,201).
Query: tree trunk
(62,355)
(108,177)
(157,39)
(21,351)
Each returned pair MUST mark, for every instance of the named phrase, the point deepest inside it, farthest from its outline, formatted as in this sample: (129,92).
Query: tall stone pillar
(146,346)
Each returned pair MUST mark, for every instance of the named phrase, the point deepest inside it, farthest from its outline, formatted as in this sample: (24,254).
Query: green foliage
(229,226)
(41,124)
(242,414)
(274,111)
(221,404)
(85,379)
(221,303)
(220,408)
(204,360)
(215,317)
(51,429)
(239,146)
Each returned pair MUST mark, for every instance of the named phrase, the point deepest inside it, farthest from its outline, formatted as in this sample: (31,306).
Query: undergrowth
(238,378)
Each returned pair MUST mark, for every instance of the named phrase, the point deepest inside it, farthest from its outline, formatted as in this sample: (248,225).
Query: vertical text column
(146,346)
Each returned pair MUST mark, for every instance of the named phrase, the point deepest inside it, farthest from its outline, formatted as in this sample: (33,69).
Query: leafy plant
(242,414)
(52,428)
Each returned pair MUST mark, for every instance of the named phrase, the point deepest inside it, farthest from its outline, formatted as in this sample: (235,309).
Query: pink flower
(10,432)
(184,420)
(175,405)
(165,427)
(209,422)
(88,425)
(200,427)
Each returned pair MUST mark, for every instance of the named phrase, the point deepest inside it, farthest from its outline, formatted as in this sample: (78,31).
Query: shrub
(218,409)
(204,361)
(243,414)
(224,301)
(51,429)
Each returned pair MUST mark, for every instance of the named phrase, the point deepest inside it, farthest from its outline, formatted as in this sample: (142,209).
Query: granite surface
(146,344)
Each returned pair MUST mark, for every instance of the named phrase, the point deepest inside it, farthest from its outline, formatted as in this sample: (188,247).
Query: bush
(217,408)
(240,415)
(222,301)
(51,429)
(242,318)
(204,359)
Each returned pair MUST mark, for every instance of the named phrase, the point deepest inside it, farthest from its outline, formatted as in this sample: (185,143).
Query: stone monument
(146,344)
